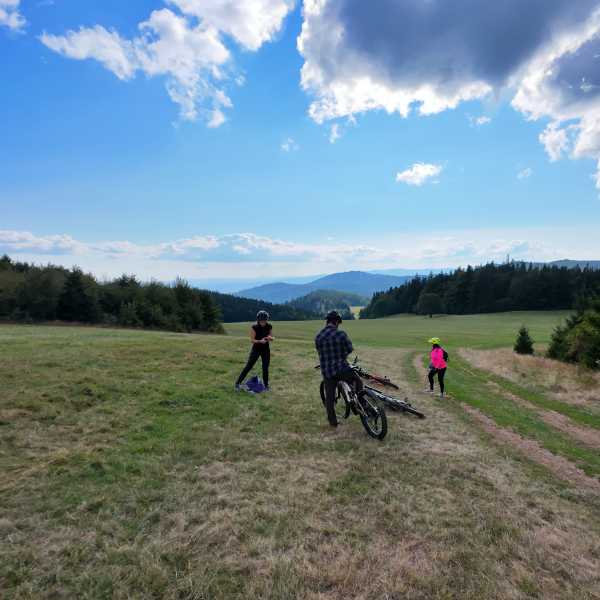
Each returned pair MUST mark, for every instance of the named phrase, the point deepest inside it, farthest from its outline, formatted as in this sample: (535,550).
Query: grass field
(130,469)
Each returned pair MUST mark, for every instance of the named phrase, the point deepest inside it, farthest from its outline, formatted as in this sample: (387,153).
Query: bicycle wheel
(413,411)
(402,406)
(341,406)
(344,401)
(372,417)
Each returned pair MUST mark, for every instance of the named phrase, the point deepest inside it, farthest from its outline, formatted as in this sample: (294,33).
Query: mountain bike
(394,403)
(348,400)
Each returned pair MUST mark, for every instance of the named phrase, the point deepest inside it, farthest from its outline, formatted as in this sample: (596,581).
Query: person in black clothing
(334,346)
(260,335)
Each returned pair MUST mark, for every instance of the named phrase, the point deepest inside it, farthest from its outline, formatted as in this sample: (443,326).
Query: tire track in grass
(521,427)
(585,435)
(558,465)
(537,397)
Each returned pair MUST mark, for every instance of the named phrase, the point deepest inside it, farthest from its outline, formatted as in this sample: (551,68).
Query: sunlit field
(129,468)
(409,331)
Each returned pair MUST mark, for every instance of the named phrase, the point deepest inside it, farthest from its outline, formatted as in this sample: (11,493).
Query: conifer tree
(524,343)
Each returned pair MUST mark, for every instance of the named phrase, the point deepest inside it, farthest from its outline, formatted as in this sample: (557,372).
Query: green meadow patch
(130,468)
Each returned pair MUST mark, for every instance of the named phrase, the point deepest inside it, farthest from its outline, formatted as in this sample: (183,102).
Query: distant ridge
(354,282)
(572,264)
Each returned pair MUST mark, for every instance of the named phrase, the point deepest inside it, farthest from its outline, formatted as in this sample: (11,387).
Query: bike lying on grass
(394,403)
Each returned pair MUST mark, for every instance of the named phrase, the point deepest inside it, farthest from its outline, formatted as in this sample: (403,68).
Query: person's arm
(349,347)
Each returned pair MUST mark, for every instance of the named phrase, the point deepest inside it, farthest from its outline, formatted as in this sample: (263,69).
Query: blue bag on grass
(255,385)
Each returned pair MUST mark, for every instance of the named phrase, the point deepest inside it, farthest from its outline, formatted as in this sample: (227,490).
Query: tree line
(486,289)
(578,339)
(236,309)
(320,302)
(32,293)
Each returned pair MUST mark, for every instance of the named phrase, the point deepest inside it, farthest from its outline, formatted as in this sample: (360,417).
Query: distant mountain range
(571,264)
(355,282)
(358,282)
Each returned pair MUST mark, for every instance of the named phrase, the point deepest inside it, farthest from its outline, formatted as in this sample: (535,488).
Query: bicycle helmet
(333,317)
(435,340)
(262,315)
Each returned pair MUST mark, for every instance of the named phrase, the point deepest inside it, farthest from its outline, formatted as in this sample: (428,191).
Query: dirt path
(589,437)
(563,382)
(559,466)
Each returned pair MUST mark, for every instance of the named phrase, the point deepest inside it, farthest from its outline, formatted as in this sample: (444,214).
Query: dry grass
(586,435)
(195,492)
(564,382)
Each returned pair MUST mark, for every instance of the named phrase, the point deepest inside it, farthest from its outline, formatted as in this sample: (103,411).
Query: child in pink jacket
(437,365)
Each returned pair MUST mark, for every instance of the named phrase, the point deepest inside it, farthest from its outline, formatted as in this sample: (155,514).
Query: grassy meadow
(130,469)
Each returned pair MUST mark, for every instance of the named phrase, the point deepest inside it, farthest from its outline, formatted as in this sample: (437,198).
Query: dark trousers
(350,377)
(258,350)
(440,373)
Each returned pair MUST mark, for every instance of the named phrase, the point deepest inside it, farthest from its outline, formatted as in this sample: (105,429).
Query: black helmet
(333,316)
(262,315)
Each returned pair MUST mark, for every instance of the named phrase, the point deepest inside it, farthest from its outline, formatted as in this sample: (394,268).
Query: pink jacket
(437,359)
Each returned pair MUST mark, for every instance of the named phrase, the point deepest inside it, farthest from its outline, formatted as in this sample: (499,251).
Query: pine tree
(77,302)
(429,304)
(524,343)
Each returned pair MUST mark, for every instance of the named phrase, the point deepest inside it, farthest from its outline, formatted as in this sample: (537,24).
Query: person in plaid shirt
(334,346)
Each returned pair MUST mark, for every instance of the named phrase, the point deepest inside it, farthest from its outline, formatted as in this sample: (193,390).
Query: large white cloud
(10,16)
(250,22)
(430,55)
(188,48)
(562,82)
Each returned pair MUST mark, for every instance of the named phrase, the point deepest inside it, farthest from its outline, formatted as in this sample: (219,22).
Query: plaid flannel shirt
(333,346)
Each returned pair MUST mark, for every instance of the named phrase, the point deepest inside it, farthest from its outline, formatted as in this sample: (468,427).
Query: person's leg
(266,360)
(441,373)
(330,391)
(252,358)
(430,376)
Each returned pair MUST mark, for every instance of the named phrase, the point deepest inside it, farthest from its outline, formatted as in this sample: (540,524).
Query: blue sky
(266,161)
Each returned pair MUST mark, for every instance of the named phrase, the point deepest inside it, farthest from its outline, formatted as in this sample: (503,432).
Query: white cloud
(250,22)
(10,16)
(334,133)
(525,173)
(26,242)
(289,145)
(187,48)
(555,140)
(427,57)
(419,174)
(479,121)
(561,83)
(233,255)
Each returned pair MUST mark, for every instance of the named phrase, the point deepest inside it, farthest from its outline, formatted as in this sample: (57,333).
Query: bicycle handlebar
(382,380)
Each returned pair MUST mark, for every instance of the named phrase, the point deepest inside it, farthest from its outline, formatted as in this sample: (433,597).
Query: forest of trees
(487,289)
(235,309)
(320,302)
(32,293)
(578,340)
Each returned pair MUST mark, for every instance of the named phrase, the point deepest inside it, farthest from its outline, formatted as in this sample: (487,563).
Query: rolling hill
(355,282)
(322,301)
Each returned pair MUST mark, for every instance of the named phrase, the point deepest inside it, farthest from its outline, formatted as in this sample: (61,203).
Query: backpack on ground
(255,385)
